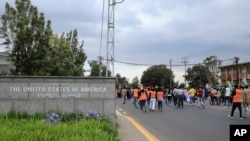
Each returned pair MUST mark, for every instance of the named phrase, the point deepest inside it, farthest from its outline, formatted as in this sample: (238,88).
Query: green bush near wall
(72,127)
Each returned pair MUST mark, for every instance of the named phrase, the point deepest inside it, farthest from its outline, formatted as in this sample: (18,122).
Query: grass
(22,127)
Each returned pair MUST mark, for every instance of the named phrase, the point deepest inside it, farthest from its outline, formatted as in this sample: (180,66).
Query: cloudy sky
(151,32)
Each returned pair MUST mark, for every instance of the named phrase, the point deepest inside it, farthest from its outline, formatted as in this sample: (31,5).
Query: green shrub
(73,127)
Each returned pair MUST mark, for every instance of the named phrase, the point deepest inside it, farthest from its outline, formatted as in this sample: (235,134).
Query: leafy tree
(62,60)
(157,75)
(35,50)
(78,51)
(182,85)
(95,68)
(196,76)
(135,82)
(98,69)
(25,27)
(121,81)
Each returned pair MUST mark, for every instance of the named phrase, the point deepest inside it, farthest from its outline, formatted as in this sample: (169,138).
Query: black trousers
(236,105)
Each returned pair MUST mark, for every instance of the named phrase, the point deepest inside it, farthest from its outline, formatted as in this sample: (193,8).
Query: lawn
(21,127)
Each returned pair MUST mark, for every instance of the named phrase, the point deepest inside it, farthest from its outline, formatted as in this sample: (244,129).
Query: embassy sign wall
(60,94)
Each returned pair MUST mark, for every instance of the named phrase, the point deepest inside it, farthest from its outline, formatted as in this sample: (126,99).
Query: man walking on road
(124,94)
(152,97)
(246,100)
(180,95)
(142,99)
(227,97)
(201,95)
(135,96)
(192,93)
(237,97)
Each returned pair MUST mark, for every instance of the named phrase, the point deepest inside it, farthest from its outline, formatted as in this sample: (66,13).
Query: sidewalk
(126,130)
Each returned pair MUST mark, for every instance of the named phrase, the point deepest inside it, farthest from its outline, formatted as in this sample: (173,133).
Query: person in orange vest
(159,97)
(135,96)
(237,98)
(142,99)
(152,97)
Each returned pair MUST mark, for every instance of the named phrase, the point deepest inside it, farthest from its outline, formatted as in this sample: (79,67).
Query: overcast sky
(154,32)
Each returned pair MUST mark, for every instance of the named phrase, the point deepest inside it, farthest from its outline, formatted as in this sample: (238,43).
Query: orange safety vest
(237,98)
(211,91)
(143,96)
(135,93)
(159,95)
(152,94)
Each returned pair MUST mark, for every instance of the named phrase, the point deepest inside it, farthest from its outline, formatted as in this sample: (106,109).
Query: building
(5,63)
(235,74)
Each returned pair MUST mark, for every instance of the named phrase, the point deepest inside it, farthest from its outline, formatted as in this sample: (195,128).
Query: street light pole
(185,63)
(237,68)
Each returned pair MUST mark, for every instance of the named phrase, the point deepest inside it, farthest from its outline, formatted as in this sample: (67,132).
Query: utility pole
(185,61)
(110,52)
(237,68)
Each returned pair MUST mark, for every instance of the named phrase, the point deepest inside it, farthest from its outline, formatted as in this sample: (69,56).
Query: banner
(245,82)
(230,85)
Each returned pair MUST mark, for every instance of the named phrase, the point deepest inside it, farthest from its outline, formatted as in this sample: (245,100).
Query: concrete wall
(59,94)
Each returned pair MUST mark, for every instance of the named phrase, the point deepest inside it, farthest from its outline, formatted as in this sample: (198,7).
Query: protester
(135,96)
(129,95)
(174,94)
(237,97)
(124,94)
(214,96)
(142,99)
(180,95)
(227,97)
(192,93)
(165,95)
(201,95)
(160,99)
(119,93)
(246,100)
(152,97)
(169,97)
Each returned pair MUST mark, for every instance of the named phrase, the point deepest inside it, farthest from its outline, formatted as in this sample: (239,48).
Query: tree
(196,76)
(61,58)
(25,27)
(78,51)
(98,69)
(157,75)
(121,81)
(95,68)
(35,49)
(135,82)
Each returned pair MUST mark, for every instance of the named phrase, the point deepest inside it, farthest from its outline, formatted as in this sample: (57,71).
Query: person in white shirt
(227,97)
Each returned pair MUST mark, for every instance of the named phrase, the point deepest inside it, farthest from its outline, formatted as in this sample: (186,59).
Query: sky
(153,32)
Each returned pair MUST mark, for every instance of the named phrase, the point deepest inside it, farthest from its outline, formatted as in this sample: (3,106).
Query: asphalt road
(189,123)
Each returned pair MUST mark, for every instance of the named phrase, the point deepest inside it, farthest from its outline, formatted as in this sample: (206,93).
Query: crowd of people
(153,98)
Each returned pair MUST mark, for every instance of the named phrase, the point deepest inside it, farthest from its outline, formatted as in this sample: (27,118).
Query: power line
(230,45)
(220,48)
(141,64)
(173,65)
(103,7)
